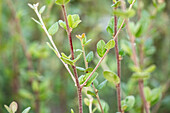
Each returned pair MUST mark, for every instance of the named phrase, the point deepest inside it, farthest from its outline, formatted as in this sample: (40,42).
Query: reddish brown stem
(134,58)
(118,64)
(79,89)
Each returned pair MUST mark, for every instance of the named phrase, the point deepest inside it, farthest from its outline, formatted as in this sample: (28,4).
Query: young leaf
(52,48)
(156,95)
(150,69)
(42,9)
(110,44)
(53,29)
(26,110)
(124,14)
(140,75)
(92,78)
(61,2)
(36,21)
(72,111)
(13,106)
(62,24)
(8,109)
(90,56)
(128,103)
(111,77)
(81,79)
(87,42)
(80,69)
(77,58)
(86,101)
(110,27)
(101,85)
(89,69)
(30,5)
(91,93)
(120,21)
(101,48)
(117,4)
(70,20)
(130,1)
(73,20)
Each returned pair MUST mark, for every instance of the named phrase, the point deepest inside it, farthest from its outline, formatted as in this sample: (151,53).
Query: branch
(72,54)
(51,40)
(95,69)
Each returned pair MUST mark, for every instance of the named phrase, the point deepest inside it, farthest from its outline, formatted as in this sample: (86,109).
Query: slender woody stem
(98,98)
(79,89)
(118,65)
(140,81)
(52,42)
(95,68)
(96,91)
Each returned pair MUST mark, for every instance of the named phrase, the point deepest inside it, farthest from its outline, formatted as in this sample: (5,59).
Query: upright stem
(140,81)
(118,64)
(79,89)
(86,64)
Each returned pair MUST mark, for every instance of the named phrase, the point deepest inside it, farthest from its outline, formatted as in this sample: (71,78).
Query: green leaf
(91,93)
(52,48)
(89,69)
(89,56)
(35,85)
(86,101)
(42,9)
(156,95)
(128,103)
(62,24)
(110,27)
(117,4)
(110,44)
(120,21)
(70,20)
(26,110)
(61,2)
(73,20)
(67,61)
(102,85)
(92,78)
(95,83)
(13,106)
(81,79)
(36,21)
(101,48)
(130,1)
(77,58)
(87,42)
(111,77)
(65,56)
(8,109)
(150,69)
(80,69)
(25,94)
(72,111)
(140,75)
(124,14)
(53,29)
(147,93)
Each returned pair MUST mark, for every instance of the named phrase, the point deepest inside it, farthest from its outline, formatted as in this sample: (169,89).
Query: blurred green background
(32,75)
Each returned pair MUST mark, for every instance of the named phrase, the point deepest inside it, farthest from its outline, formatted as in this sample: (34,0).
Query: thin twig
(98,98)
(79,89)
(52,42)
(118,87)
(95,69)
(86,64)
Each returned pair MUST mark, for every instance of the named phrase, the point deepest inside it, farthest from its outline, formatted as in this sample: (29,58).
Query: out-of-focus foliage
(32,75)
